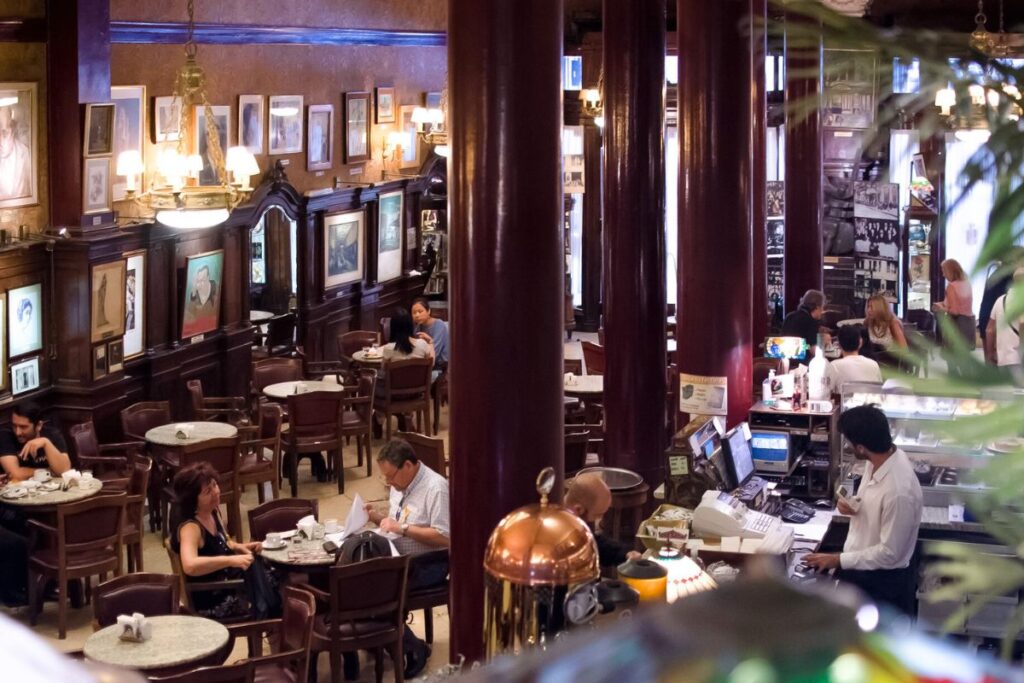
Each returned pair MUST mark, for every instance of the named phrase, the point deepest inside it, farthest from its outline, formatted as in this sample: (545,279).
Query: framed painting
(411,141)
(344,237)
(357,127)
(25,319)
(320,142)
(285,124)
(99,361)
(385,105)
(135,304)
(221,119)
(166,118)
(201,300)
(115,356)
(99,130)
(250,122)
(19,143)
(96,185)
(389,235)
(129,124)
(25,376)
(108,283)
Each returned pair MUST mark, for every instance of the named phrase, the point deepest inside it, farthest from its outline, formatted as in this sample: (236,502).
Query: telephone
(720,514)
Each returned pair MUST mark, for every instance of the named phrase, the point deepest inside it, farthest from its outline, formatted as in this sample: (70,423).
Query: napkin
(134,628)
(570,378)
(71,476)
(306,525)
(183,431)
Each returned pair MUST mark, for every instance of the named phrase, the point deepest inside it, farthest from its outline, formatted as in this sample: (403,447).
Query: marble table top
(285,389)
(165,435)
(585,384)
(361,357)
(304,553)
(260,316)
(37,498)
(177,639)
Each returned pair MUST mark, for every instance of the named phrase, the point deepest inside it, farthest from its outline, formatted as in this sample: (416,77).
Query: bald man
(589,498)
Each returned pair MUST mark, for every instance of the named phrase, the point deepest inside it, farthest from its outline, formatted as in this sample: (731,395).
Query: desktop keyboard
(760,523)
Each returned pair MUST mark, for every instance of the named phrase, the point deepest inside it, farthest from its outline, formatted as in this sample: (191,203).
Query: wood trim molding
(22,30)
(174,33)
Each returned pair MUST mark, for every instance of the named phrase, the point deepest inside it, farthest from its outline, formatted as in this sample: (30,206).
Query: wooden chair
(230,409)
(439,396)
(261,452)
(363,610)
(430,597)
(190,589)
(136,420)
(272,371)
(280,339)
(288,660)
(279,515)
(357,418)
(138,487)
(223,456)
(86,541)
(429,451)
(355,340)
(107,461)
(576,441)
(150,594)
(385,329)
(315,425)
(593,356)
(573,365)
(239,672)
(405,389)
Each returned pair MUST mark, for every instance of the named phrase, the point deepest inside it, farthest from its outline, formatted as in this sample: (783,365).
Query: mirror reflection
(273,272)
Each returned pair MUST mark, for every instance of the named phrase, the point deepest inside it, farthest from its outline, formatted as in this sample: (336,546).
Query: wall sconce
(430,124)
(129,165)
(945,100)
(591,98)
(241,164)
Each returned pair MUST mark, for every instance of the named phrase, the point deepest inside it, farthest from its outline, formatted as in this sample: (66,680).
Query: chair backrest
(385,330)
(298,616)
(271,420)
(221,454)
(314,413)
(151,594)
(374,589)
(139,418)
(573,365)
(830,319)
(430,558)
(593,355)
(428,450)
(353,341)
(281,331)
(239,672)
(83,436)
(138,485)
(407,377)
(195,395)
(925,320)
(575,449)
(279,515)
(92,525)
(361,399)
(762,366)
(273,370)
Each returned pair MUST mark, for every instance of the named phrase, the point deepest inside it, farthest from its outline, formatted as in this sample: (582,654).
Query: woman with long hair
(959,306)
(403,340)
(884,328)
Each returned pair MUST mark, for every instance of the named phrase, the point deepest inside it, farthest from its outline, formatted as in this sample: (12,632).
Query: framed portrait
(221,119)
(108,283)
(25,376)
(389,235)
(285,131)
(320,134)
(134,304)
(96,185)
(344,237)
(19,143)
(115,356)
(99,361)
(432,99)
(385,105)
(250,122)
(357,127)
(129,119)
(411,141)
(201,300)
(99,130)
(25,319)
(166,118)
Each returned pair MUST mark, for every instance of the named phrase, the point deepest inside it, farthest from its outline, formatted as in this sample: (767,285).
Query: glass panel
(967,217)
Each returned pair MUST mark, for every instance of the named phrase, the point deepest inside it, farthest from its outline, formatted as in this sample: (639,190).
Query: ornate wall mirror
(273,269)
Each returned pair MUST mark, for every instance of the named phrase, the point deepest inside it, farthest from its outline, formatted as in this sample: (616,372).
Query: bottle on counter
(767,392)
(817,377)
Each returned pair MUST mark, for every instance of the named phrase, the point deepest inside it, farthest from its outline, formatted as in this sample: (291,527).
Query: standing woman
(959,306)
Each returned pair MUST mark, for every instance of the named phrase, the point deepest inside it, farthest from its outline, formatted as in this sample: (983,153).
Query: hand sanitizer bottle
(767,395)
(817,377)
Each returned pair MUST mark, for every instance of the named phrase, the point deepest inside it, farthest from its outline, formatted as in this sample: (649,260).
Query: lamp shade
(193,164)
(685,577)
(195,219)
(945,98)
(241,162)
(129,162)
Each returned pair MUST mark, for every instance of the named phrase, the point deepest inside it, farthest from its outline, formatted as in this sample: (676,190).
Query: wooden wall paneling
(232,291)
(161,320)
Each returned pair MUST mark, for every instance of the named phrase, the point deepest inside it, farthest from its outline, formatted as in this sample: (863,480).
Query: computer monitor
(771,450)
(738,458)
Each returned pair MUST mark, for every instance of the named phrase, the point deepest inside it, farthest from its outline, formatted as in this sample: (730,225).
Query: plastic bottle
(767,395)
(817,377)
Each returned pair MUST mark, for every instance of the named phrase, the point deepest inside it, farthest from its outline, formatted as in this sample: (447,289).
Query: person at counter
(589,498)
(805,320)
(852,367)
(30,443)
(1002,339)
(883,529)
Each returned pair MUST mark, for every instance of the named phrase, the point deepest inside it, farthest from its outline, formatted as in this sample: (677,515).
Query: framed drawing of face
(25,319)
(344,237)
(129,119)
(285,124)
(135,304)
(411,141)
(385,105)
(99,130)
(107,300)
(221,119)
(25,376)
(320,145)
(250,122)
(389,235)
(201,305)
(166,118)
(18,145)
(357,127)
(96,185)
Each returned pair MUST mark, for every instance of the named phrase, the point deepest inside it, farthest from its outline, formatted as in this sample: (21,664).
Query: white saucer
(279,546)
(14,493)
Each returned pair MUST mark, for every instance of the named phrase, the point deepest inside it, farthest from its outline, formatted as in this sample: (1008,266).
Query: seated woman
(431,330)
(885,332)
(208,554)
(403,340)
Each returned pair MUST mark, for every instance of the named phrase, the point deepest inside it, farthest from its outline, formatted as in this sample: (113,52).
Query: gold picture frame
(107,300)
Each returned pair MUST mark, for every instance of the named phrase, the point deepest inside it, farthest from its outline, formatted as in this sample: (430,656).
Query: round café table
(180,642)
(585,386)
(167,435)
(256,317)
(299,556)
(850,321)
(363,358)
(36,501)
(282,390)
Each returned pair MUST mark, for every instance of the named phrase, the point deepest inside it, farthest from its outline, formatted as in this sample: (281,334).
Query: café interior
(444,303)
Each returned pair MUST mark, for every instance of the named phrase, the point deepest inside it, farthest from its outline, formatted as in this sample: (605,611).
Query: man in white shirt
(1002,338)
(883,527)
(852,367)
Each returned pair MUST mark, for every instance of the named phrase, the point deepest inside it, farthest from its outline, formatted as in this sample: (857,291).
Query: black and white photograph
(431,219)
(18,145)
(99,361)
(25,376)
(776,195)
(876,200)
(115,356)
(876,276)
(250,122)
(776,237)
(135,304)
(320,129)
(166,118)
(877,238)
(96,186)
(25,319)
(285,128)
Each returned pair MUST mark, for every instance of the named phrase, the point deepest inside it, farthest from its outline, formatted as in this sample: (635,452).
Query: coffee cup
(273,538)
(41,475)
(331,526)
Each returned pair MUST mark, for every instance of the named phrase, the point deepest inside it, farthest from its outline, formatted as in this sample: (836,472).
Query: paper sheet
(356,520)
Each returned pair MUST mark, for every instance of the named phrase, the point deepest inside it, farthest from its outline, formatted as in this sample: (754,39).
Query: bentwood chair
(357,418)
(261,452)
(279,515)
(223,456)
(190,590)
(439,396)
(272,371)
(315,425)
(138,486)
(239,672)
(355,340)
(593,356)
(136,420)
(85,542)
(288,660)
(107,461)
(573,365)
(405,388)
(428,450)
(429,597)
(280,337)
(150,594)
(576,441)
(230,409)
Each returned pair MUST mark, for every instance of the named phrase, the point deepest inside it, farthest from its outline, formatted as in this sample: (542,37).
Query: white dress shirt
(852,369)
(883,532)
(424,502)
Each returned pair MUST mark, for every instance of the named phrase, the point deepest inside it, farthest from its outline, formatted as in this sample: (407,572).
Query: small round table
(283,390)
(585,385)
(302,556)
(179,642)
(41,501)
(257,317)
(361,357)
(850,321)
(166,435)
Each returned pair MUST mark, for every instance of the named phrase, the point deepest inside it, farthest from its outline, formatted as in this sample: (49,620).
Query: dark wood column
(507,277)
(634,235)
(759,170)
(803,251)
(715,300)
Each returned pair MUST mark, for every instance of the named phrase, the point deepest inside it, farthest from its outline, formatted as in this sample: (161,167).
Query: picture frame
(166,119)
(250,122)
(98,140)
(99,361)
(357,127)
(19,185)
(222,119)
(129,128)
(344,236)
(25,375)
(134,304)
(411,141)
(115,356)
(432,99)
(96,185)
(107,300)
(201,294)
(386,104)
(390,210)
(25,319)
(320,137)
(285,124)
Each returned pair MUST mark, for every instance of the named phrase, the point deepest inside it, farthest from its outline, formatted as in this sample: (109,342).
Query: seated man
(589,498)
(852,367)
(30,444)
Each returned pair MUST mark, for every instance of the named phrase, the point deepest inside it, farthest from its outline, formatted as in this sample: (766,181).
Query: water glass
(318,532)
